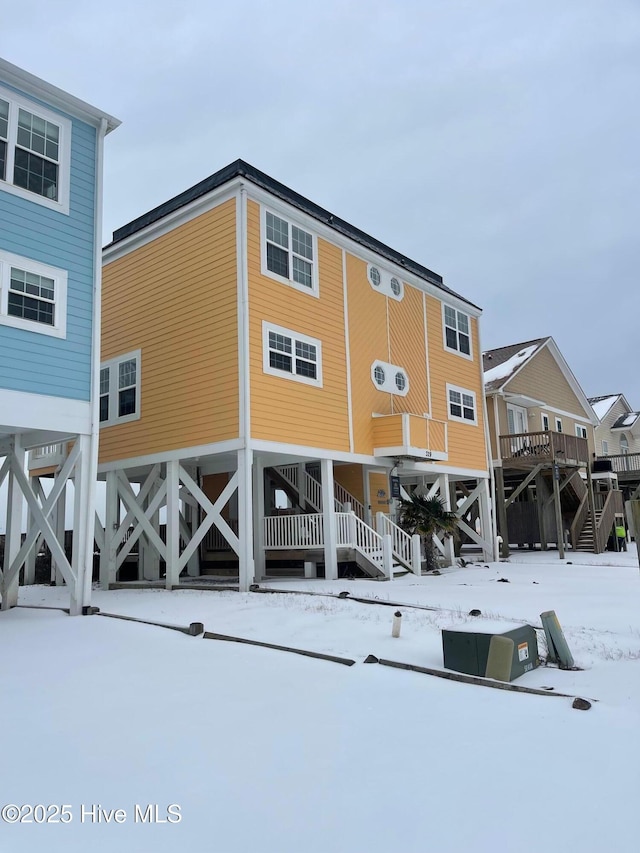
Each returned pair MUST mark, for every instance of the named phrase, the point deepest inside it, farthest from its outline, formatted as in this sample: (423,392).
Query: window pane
(456,410)
(378,375)
(126,402)
(280,361)
(465,345)
(468,414)
(279,342)
(449,316)
(104,408)
(301,243)
(35,174)
(3,160)
(452,338)
(4,119)
(104,380)
(30,309)
(463,323)
(454,396)
(467,400)
(307,351)
(277,230)
(127,373)
(277,260)
(305,368)
(401,382)
(302,272)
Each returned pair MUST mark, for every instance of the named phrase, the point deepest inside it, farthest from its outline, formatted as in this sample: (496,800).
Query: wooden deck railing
(623,463)
(529,448)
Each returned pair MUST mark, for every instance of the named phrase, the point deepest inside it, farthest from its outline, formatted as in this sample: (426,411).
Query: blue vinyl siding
(37,363)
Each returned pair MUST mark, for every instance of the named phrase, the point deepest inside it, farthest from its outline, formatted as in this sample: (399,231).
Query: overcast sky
(495,141)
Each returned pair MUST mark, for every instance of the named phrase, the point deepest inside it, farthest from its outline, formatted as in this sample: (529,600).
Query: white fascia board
(172,221)
(190,453)
(327,233)
(38,88)
(522,400)
(28,412)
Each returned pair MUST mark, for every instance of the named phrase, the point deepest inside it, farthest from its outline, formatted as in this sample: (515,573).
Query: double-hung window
(461,405)
(289,253)
(120,389)
(457,336)
(34,152)
(33,296)
(292,355)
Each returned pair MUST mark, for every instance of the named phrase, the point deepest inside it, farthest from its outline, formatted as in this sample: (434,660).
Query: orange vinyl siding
(283,410)
(407,349)
(466,441)
(387,431)
(175,298)
(350,477)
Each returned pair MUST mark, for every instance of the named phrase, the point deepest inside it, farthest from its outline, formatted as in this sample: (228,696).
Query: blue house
(51,146)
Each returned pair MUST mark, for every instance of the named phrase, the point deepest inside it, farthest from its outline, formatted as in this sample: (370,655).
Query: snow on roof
(626,420)
(601,405)
(508,367)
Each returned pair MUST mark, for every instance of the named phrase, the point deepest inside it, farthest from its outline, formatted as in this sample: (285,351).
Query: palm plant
(426,516)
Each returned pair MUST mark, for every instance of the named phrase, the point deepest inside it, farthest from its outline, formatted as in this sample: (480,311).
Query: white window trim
(444,332)
(605,447)
(59,329)
(314,290)
(386,278)
(544,416)
(558,421)
(462,420)
(580,430)
(17,102)
(295,336)
(389,385)
(112,364)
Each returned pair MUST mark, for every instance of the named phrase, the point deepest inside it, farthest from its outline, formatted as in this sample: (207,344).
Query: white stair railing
(345,497)
(312,491)
(288,532)
(406,548)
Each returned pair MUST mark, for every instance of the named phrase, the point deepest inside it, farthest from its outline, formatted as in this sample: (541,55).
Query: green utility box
(466,649)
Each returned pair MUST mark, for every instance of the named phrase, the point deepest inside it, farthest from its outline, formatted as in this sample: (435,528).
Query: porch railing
(548,446)
(623,463)
(302,532)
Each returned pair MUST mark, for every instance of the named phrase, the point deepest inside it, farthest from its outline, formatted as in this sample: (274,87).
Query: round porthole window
(378,375)
(396,287)
(374,275)
(401,381)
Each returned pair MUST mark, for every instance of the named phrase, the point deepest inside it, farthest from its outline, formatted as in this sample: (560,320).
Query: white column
(149,556)
(30,564)
(258,518)
(13,532)
(449,553)
(82,529)
(109,550)
(329,519)
(172,576)
(191,518)
(489,552)
(246,568)
(59,518)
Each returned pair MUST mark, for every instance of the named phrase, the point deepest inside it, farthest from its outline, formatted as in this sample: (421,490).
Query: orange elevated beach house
(272,379)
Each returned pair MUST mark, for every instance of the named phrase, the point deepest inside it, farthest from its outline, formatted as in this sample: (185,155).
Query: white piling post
(397,622)
(387,555)
(416,554)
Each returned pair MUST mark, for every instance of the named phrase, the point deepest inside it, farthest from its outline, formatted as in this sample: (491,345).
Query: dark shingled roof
(241,169)
(494,357)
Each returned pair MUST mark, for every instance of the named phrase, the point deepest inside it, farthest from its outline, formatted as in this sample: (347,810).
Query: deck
(528,449)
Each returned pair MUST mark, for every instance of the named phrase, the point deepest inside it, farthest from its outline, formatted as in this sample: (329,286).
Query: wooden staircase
(586,540)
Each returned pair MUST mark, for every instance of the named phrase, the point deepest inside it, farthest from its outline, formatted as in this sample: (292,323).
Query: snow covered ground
(269,752)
